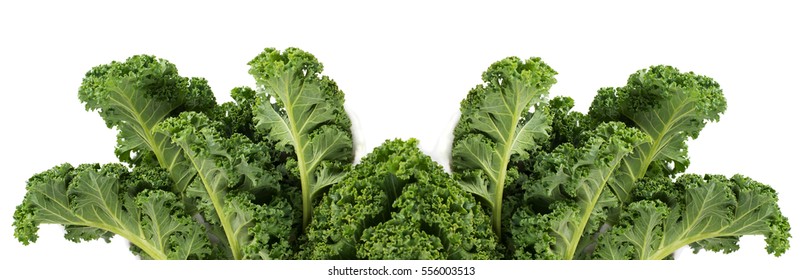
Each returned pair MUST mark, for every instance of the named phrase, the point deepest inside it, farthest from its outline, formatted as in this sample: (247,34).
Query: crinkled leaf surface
(582,176)
(493,126)
(307,114)
(670,107)
(90,201)
(713,214)
(399,204)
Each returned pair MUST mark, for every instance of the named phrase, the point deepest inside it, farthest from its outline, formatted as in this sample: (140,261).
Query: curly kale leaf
(222,191)
(399,204)
(567,126)
(94,201)
(496,124)
(670,107)
(307,114)
(711,213)
(236,117)
(134,96)
(579,194)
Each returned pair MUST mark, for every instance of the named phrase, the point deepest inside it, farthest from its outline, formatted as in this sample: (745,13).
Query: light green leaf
(714,214)
(495,126)
(670,107)
(307,113)
(134,96)
(193,133)
(582,176)
(228,209)
(665,127)
(90,197)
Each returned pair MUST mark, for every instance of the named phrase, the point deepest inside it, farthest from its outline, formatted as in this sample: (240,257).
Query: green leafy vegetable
(709,213)
(134,96)
(269,175)
(226,187)
(670,107)
(496,124)
(216,168)
(95,201)
(580,199)
(307,114)
(399,204)
(570,177)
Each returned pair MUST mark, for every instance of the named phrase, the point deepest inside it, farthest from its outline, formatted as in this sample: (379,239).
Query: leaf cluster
(196,179)
(270,175)
(608,184)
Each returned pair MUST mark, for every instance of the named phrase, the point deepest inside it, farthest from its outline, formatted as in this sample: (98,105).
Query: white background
(404,67)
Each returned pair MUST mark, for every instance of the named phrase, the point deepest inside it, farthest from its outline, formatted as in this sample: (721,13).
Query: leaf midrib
(586,212)
(217,203)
